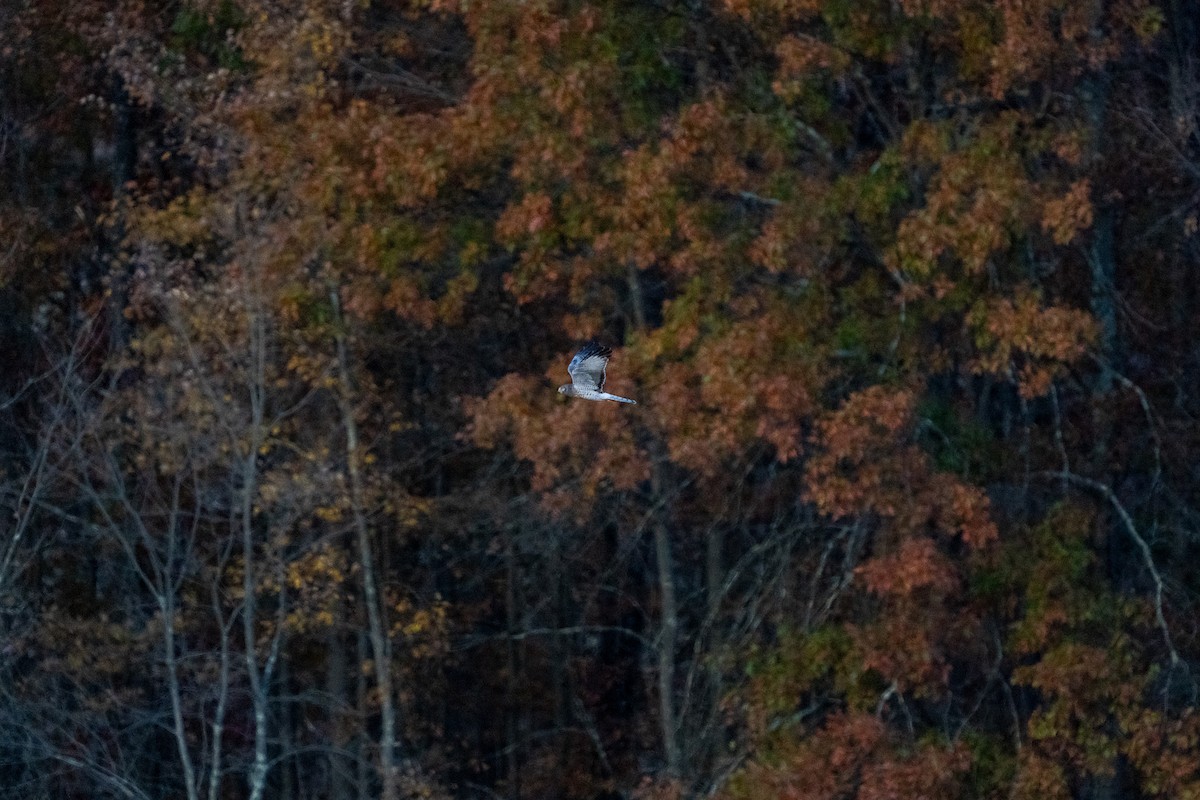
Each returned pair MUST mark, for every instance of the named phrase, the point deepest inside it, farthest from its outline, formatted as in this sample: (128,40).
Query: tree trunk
(668,634)
(218,722)
(124,171)
(512,728)
(361,693)
(258,679)
(167,609)
(341,785)
(376,626)
(668,609)
(1101,255)
(667,637)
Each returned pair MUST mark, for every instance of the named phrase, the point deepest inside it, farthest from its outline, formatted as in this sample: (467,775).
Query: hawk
(587,375)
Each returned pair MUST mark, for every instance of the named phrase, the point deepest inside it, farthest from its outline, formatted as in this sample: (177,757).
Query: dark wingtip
(594,348)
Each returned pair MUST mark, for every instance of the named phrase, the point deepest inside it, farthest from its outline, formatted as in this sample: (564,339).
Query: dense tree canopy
(905,290)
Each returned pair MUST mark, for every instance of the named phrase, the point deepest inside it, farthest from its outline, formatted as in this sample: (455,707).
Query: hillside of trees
(908,292)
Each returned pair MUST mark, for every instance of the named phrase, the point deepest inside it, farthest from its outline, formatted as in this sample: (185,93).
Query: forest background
(906,290)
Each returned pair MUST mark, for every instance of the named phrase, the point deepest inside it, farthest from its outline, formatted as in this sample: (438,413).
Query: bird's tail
(619,399)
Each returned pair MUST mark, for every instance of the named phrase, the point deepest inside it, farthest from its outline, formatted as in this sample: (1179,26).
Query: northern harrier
(587,375)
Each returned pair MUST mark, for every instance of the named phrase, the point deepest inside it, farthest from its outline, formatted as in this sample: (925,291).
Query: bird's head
(564,389)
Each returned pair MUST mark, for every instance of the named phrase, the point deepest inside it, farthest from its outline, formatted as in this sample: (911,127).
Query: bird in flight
(587,375)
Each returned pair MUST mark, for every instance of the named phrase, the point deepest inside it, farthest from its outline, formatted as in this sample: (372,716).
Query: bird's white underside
(587,394)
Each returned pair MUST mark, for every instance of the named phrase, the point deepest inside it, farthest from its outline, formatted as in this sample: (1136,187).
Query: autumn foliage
(905,292)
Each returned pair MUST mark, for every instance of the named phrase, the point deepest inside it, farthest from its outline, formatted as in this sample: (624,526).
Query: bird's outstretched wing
(587,367)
